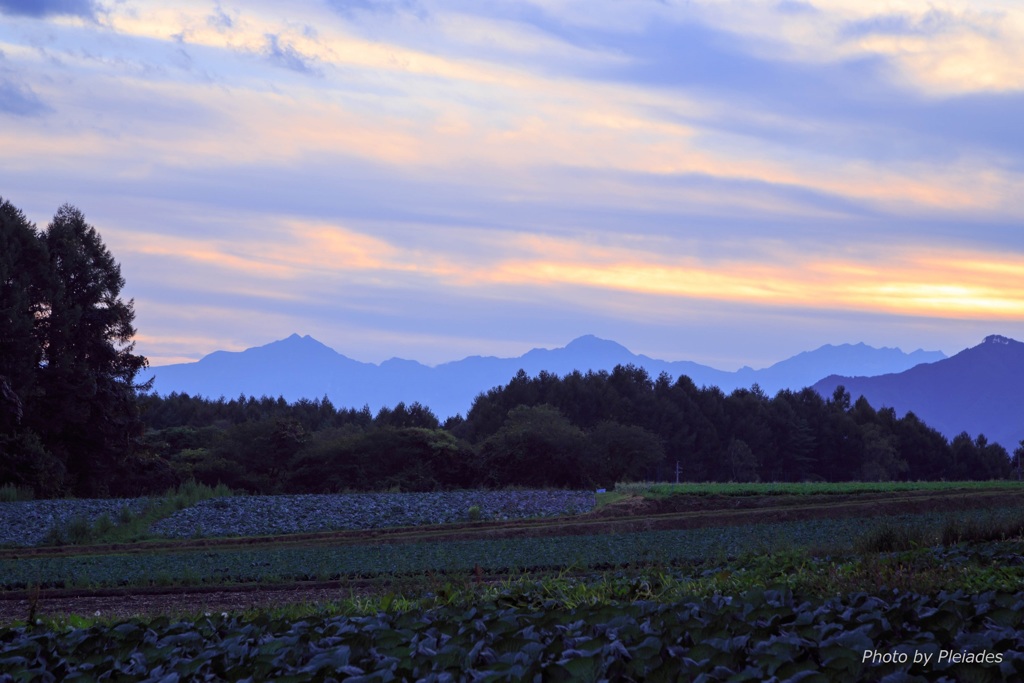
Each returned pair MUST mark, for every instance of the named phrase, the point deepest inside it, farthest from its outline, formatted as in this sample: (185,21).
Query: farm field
(763,580)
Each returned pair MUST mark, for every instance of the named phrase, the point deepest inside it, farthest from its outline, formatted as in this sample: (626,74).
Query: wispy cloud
(47,8)
(19,99)
(285,55)
(554,167)
(894,278)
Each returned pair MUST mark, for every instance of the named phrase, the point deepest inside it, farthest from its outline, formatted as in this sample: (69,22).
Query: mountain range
(979,390)
(302,367)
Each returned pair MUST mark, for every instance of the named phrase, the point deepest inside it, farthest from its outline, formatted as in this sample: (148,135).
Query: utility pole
(677,471)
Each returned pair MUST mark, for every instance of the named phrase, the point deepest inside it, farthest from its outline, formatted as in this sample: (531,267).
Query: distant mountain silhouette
(301,367)
(979,390)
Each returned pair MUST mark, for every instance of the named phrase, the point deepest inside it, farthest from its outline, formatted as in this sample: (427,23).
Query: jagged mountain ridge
(978,390)
(302,367)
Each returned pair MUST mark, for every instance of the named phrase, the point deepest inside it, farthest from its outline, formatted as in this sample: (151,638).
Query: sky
(728,182)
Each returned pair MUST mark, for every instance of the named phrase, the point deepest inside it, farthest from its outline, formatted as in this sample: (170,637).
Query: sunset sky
(728,182)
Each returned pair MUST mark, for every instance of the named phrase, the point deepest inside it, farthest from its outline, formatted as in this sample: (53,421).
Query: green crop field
(205,566)
(801,584)
(762,635)
(661,489)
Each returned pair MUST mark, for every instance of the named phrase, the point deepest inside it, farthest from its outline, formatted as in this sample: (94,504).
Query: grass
(129,526)
(664,490)
(890,536)
(609,497)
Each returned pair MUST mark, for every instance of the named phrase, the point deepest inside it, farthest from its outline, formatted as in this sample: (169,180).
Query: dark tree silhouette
(67,357)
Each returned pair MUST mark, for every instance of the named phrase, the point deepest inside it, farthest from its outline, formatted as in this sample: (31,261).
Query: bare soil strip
(180,601)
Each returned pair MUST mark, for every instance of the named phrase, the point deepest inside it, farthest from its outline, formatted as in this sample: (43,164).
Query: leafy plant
(759,634)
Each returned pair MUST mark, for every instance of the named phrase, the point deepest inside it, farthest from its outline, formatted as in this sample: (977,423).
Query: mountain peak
(975,391)
(295,339)
(998,339)
(589,342)
(295,344)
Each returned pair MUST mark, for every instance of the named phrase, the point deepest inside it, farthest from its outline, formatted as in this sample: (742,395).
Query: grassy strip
(663,490)
(129,526)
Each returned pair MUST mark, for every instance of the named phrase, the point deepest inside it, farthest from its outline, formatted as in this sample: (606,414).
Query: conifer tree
(68,357)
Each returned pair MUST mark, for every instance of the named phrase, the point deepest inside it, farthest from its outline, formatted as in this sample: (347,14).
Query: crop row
(753,637)
(492,555)
(267,515)
(197,511)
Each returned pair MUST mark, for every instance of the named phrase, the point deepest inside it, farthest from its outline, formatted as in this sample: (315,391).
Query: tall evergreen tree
(89,417)
(67,361)
(24,283)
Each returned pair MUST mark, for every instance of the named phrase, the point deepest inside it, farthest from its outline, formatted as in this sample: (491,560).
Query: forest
(74,422)
(582,430)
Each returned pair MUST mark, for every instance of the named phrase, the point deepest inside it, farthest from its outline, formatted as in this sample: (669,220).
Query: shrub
(890,537)
(125,515)
(103,525)
(76,531)
(9,493)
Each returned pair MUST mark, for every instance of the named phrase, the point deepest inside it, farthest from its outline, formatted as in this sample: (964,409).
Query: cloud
(46,8)
(441,282)
(19,99)
(352,8)
(285,55)
(220,19)
(553,167)
(297,259)
(795,7)
(931,23)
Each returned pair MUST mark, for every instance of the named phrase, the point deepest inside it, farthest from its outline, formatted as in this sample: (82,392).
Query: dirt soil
(123,605)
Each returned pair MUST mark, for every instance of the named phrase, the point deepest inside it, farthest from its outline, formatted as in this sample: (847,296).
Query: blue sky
(725,182)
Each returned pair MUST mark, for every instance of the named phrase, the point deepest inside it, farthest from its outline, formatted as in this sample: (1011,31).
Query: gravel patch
(268,515)
(28,522)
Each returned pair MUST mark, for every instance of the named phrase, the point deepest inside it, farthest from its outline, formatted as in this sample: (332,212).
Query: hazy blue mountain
(301,367)
(979,390)
(806,368)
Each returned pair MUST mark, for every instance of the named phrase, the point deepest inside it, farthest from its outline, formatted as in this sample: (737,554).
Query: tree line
(73,421)
(581,430)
